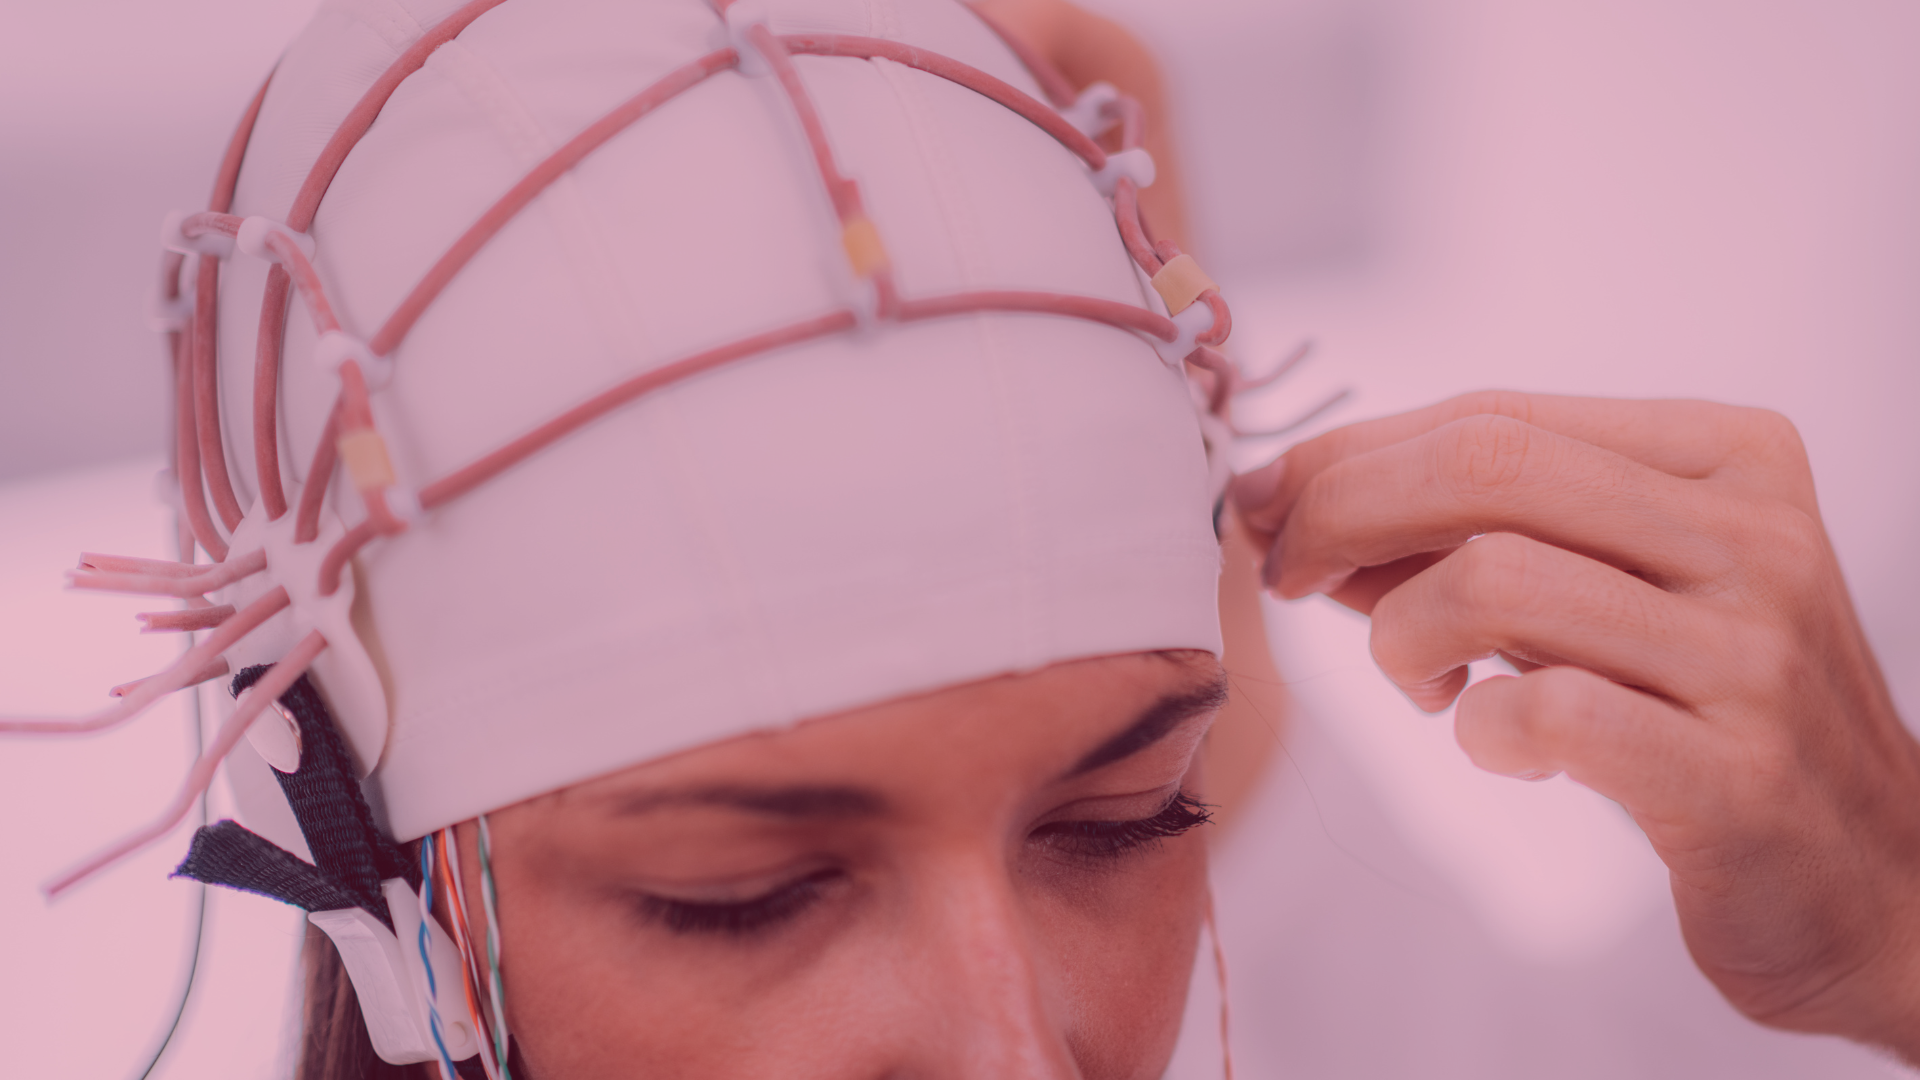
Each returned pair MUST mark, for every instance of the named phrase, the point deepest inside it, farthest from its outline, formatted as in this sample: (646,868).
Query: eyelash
(738,918)
(1080,839)
(1113,839)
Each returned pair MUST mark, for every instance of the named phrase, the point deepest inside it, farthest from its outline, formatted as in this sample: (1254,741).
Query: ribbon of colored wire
(463,937)
(501,1037)
(448,1072)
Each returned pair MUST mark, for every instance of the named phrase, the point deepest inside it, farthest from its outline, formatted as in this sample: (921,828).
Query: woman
(717,473)
(852,731)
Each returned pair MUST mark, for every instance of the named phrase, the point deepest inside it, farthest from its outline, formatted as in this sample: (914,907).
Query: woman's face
(996,880)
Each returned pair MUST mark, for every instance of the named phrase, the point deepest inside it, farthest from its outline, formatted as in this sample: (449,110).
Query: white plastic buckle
(252,239)
(391,982)
(336,347)
(1089,112)
(217,244)
(1191,323)
(742,16)
(1135,163)
(345,672)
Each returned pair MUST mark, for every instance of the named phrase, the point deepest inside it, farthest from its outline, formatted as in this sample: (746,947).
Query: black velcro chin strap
(360,889)
(351,857)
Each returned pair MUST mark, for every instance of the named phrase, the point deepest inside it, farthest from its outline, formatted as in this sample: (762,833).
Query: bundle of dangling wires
(480,960)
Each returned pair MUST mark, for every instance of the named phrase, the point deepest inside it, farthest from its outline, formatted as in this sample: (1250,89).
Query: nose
(996,1003)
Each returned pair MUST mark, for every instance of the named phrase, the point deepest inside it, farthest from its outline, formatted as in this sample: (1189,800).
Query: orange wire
(462,937)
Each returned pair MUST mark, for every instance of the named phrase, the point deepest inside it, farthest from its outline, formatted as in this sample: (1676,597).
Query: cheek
(1125,951)
(595,993)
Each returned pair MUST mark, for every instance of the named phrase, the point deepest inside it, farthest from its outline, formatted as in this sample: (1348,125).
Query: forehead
(1018,731)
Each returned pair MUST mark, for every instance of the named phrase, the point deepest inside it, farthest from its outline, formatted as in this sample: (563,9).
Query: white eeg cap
(878,514)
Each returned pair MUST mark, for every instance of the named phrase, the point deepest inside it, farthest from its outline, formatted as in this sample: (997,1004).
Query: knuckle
(1496,575)
(1769,443)
(1770,433)
(1484,455)
(1786,550)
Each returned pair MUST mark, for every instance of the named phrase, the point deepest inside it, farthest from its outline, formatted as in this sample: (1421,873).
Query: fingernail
(1253,491)
(1535,777)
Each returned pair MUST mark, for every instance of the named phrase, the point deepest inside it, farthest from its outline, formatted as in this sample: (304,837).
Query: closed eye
(739,918)
(1114,839)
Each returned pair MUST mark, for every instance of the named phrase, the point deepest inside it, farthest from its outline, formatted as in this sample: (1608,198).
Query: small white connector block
(391,982)
(1135,164)
(1189,324)
(173,238)
(336,347)
(252,239)
(1089,112)
(742,16)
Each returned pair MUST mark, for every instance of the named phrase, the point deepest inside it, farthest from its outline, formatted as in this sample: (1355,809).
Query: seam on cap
(596,276)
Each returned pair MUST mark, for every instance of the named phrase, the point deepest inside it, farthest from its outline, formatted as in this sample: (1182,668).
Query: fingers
(1363,590)
(1508,594)
(1486,474)
(1602,734)
(1685,439)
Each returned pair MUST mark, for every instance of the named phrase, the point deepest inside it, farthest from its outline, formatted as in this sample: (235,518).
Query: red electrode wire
(987,86)
(200,464)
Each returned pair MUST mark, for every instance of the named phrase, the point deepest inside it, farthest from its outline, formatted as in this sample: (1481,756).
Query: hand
(1659,571)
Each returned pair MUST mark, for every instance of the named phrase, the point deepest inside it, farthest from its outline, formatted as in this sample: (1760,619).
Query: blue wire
(433,991)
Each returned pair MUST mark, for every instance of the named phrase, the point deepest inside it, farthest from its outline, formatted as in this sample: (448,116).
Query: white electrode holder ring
(1135,164)
(742,17)
(173,237)
(253,234)
(336,347)
(1190,325)
(1089,112)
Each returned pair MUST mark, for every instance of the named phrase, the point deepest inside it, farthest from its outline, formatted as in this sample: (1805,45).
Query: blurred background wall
(1629,197)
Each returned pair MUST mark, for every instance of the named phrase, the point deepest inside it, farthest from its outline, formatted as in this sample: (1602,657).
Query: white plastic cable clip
(252,238)
(404,503)
(865,305)
(1135,163)
(742,16)
(167,315)
(219,245)
(1089,112)
(1190,324)
(391,982)
(336,347)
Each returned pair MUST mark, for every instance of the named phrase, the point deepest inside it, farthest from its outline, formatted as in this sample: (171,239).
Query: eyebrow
(1153,725)
(808,802)
(796,802)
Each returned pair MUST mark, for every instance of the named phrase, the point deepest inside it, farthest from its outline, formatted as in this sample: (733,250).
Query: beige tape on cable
(1180,282)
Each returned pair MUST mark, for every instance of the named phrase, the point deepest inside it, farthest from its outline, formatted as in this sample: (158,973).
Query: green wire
(493,952)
